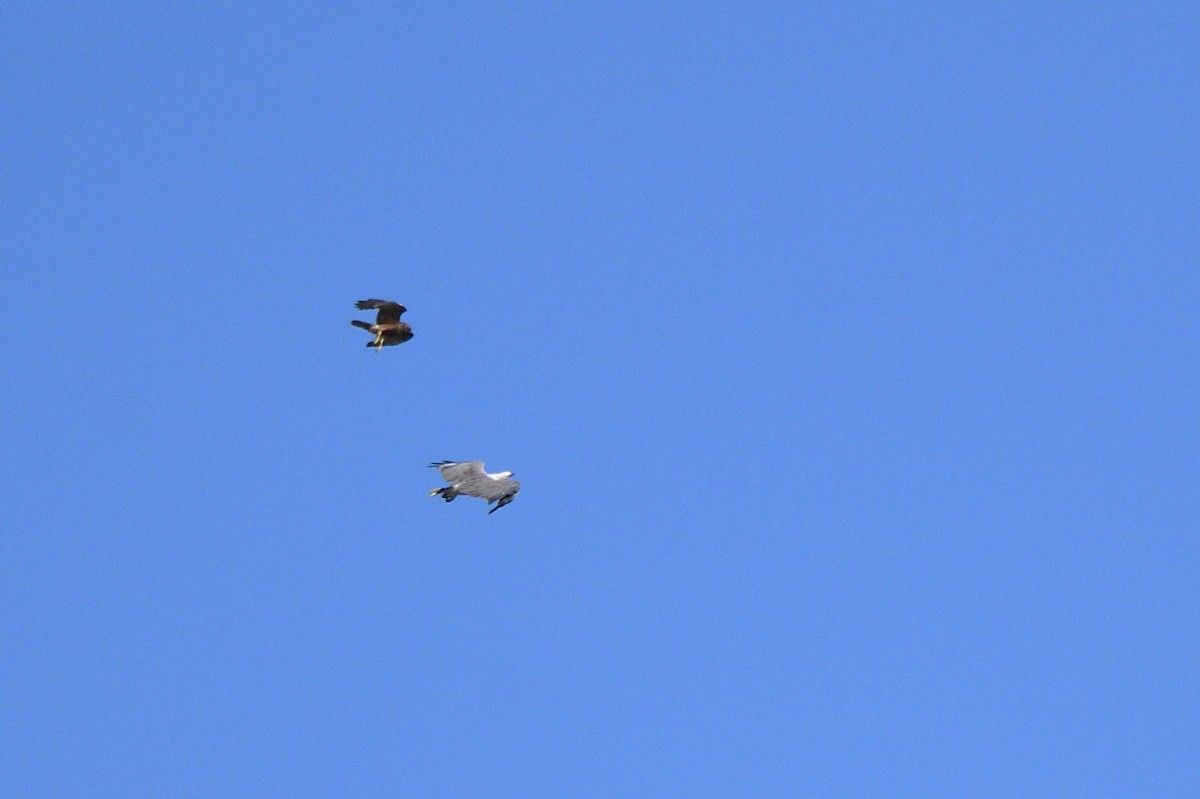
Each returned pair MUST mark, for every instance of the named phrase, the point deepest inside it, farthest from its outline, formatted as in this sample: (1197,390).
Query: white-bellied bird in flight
(469,479)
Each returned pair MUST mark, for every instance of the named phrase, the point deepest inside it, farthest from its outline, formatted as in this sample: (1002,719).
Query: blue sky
(846,353)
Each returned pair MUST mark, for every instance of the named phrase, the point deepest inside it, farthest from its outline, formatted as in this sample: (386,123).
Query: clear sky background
(847,354)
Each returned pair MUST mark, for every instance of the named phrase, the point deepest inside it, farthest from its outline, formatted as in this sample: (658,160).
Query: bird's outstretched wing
(389,312)
(454,472)
(471,479)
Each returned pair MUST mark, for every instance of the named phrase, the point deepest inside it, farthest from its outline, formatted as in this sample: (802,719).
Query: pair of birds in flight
(465,478)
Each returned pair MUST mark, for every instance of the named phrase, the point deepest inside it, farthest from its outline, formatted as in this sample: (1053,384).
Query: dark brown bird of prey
(388,328)
(469,479)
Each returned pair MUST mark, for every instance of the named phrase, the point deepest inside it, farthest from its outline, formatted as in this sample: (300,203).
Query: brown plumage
(388,328)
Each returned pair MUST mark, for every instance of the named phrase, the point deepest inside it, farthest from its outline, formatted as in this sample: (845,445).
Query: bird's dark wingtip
(504,500)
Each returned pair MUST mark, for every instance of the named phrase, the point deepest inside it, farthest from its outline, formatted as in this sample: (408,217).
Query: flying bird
(471,480)
(388,328)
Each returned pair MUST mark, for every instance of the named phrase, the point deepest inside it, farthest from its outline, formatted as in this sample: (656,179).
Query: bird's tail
(360,323)
(445,492)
